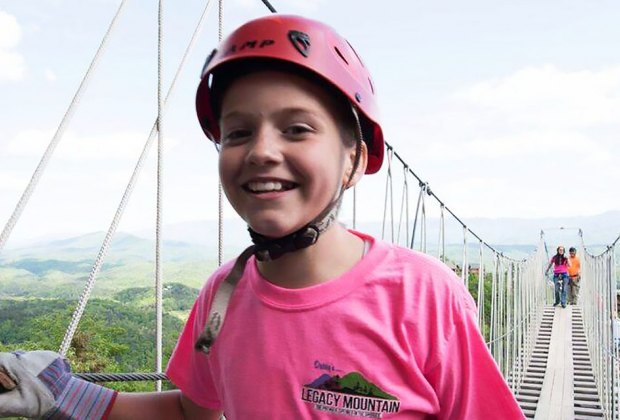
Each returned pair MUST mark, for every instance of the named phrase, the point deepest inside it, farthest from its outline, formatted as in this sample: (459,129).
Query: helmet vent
(372,87)
(355,52)
(340,55)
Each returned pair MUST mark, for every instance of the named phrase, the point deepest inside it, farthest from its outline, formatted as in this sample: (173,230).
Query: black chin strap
(268,249)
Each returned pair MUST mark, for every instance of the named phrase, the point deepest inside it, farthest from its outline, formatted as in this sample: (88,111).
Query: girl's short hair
(227,74)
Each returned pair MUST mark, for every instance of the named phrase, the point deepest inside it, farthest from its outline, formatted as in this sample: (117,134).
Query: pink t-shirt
(560,268)
(394,337)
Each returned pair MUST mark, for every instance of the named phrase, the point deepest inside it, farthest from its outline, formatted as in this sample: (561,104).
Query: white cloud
(125,145)
(526,129)
(11,180)
(532,111)
(10,31)
(538,143)
(547,96)
(50,75)
(306,6)
(298,6)
(12,64)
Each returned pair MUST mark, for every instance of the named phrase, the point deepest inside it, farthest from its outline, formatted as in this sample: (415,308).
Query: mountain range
(597,230)
(60,267)
(191,241)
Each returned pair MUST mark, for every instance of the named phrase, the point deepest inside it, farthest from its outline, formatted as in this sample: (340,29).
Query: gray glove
(40,384)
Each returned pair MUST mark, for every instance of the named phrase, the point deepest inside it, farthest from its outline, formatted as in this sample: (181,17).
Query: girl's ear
(361,166)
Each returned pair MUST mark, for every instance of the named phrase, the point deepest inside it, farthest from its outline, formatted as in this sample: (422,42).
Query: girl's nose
(264,149)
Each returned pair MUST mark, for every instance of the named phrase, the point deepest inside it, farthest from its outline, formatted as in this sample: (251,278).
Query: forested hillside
(115,334)
(40,287)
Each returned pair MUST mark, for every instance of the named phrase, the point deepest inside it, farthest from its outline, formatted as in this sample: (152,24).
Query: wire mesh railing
(599,300)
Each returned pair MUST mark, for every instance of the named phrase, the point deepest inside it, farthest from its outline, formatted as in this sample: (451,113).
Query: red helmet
(303,42)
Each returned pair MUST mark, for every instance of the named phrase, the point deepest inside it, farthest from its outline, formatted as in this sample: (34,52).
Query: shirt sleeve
(190,369)
(467,380)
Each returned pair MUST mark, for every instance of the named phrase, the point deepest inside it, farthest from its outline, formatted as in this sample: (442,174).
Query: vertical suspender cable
(609,341)
(494,293)
(442,234)
(79,310)
(34,180)
(417,213)
(500,313)
(404,207)
(388,195)
(220,195)
(481,290)
(615,369)
(511,339)
(518,343)
(423,220)
(465,270)
(158,222)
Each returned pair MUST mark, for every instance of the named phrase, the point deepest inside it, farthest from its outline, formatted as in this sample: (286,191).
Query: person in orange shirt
(574,275)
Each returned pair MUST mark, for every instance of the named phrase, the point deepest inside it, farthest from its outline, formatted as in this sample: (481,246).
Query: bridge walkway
(559,383)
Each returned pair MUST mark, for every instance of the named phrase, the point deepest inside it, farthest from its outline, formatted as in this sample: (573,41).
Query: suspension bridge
(561,363)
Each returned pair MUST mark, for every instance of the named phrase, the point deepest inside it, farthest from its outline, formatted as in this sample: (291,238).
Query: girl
(314,320)
(560,275)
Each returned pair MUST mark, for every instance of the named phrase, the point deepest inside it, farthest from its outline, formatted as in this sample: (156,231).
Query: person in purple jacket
(560,265)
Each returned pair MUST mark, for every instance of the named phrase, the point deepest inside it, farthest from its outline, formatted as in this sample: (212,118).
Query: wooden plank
(556,397)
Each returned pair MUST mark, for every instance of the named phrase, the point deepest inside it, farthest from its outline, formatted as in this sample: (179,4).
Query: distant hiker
(317,321)
(574,273)
(560,275)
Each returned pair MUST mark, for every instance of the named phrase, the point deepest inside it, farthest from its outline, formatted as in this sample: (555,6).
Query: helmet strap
(268,249)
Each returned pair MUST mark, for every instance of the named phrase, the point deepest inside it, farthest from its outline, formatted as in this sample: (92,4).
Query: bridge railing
(518,290)
(599,300)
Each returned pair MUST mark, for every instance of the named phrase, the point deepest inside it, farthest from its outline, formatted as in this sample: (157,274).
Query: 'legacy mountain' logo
(349,395)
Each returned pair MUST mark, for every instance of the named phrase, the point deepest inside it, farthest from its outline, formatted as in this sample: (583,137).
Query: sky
(506,109)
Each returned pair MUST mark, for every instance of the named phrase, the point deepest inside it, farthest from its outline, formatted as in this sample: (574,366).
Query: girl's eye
(298,129)
(236,136)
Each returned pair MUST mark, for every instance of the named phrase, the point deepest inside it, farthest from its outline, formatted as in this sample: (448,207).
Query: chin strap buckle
(268,249)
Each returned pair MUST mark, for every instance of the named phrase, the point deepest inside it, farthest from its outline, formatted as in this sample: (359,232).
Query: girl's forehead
(272,79)
(272,88)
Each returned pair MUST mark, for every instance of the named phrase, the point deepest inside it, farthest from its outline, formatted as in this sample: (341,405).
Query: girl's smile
(282,158)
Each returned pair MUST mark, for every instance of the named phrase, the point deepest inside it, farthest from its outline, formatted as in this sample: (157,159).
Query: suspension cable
(404,208)
(465,268)
(77,314)
(269,6)
(220,195)
(442,234)
(480,301)
(423,219)
(431,193)
(159,215)
(388,195)
(417,213)
(34,180)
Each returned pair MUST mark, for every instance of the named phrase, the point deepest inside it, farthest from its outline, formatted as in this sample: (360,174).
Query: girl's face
(282,160)
(561,250)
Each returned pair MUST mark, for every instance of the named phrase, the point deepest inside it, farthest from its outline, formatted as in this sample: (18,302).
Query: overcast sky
(507,109)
